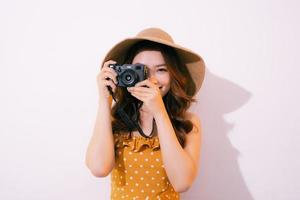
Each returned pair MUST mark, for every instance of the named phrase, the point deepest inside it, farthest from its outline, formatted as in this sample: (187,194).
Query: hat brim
(193,61)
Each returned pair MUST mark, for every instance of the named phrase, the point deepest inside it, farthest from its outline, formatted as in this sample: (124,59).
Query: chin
(163,93)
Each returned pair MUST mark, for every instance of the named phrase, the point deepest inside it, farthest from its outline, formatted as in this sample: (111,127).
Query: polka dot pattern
(139,172)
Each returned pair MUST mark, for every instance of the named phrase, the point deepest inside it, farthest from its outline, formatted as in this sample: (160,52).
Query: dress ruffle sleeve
(136,143)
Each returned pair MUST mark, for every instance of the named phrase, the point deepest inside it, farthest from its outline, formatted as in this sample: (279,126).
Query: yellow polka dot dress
(139,171)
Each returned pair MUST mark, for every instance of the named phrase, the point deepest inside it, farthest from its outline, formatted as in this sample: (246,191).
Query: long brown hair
(177,100)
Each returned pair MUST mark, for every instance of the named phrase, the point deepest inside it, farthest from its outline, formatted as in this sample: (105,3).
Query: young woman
(161,159)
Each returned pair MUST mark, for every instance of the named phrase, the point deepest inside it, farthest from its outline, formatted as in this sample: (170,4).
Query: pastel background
(50,54)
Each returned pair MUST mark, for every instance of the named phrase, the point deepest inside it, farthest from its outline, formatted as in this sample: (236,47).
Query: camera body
(129,74)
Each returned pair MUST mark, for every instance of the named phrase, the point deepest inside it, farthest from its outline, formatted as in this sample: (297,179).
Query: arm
(181,164)
(100,154)
(100,157)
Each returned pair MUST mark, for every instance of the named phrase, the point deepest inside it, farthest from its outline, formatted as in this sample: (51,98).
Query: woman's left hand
(149,95)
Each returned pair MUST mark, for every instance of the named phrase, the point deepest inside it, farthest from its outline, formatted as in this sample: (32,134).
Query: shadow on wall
(219,177)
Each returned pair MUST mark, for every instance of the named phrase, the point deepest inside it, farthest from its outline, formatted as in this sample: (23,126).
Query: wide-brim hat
(193,61)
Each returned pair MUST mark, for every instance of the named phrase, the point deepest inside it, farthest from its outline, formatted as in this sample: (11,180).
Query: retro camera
(129,74)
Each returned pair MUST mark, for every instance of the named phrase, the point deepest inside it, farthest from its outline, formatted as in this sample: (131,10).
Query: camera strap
(132,124)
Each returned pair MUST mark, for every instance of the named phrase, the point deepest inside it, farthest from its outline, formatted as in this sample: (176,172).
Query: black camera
(129,74)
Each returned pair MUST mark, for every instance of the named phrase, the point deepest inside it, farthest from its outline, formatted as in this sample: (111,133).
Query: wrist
(160,114)
(105,101)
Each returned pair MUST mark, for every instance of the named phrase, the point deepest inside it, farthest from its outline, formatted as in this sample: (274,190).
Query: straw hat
(193,61)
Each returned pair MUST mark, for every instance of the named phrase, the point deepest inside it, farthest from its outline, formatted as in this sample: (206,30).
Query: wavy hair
(177,100)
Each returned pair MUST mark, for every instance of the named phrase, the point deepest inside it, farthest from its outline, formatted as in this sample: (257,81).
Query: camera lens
(129,78)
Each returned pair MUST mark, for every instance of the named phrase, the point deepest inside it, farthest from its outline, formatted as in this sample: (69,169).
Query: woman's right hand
(106,77)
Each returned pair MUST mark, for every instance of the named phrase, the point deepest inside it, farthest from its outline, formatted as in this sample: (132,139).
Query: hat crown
(155,33)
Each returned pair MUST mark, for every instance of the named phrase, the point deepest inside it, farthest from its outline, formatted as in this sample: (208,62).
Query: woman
(159,160)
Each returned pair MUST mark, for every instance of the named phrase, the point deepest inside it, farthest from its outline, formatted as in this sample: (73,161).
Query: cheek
(167,80)
(164,78)
(167,85)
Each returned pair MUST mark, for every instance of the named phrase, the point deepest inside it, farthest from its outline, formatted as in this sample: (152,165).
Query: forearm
(178,164)
(100,152)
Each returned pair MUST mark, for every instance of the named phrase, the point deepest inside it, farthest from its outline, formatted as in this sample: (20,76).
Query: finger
(140,89)
(107,68)
(153,80)
(109,83)
(139,96)
(150,83)
(111,70)
(107,63)
(109,75)
(143,83)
